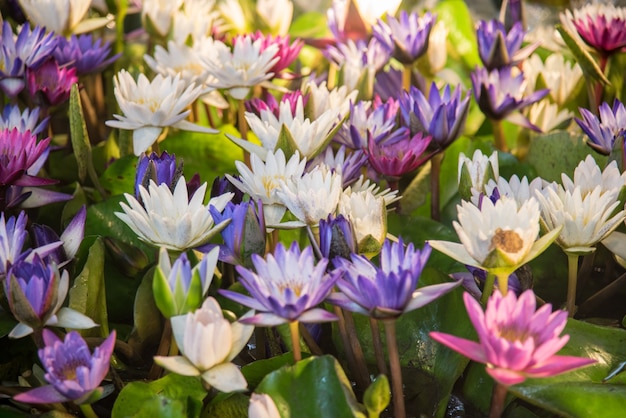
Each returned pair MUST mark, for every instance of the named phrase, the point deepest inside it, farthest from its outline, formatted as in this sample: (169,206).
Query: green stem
(396,370)
(87,411)
(406,77)
(295,340)
(378,347)
(497,400)
(435,170)
(572,280)
(488,287)
(498,135)
(503,283)
(361,374)
(242,125)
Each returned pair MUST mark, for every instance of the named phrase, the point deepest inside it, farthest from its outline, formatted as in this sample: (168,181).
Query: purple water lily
(287,286)
(604,130)
(337,237)
(244,235)
(388,291)
(28,120)
(49,83)
(28,50)
(516,341)
(395,157)
(74,373)
(500,93)
(56,249)
(22,156)
(12,237)
(160,169)
(368,120)
(500,48)
(348,164)
(84,53)
(442,115)
(407,36)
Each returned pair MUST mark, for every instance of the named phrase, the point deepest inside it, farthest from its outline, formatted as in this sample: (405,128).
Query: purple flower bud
(160,169)
(407,37)
(84,53)
(604,131)
(337,237)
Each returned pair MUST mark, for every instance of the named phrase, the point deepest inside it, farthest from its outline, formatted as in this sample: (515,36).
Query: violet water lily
(605,131)
(73,372)
(407,36)
(499,47)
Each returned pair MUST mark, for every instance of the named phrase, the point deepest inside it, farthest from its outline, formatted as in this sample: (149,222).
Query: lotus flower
(73,372)
(516,341)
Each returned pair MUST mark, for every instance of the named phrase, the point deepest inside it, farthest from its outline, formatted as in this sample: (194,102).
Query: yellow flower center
(507,241)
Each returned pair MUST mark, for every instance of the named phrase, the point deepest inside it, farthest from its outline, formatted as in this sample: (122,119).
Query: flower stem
(498,135)
(295,341)
(406,77)
(87,411)
(378,347)
(503,283)
(435,170)
(361,374)
(488,287)
(348,347)
(242,125)
(396,371)
(497,400)
(572,280)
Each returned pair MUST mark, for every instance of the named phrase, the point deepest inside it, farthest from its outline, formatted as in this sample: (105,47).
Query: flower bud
(476,173)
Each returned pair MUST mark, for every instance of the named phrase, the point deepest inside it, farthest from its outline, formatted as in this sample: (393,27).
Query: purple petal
(42,394)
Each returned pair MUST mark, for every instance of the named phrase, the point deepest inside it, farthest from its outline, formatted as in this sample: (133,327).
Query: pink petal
(469,349)
(42,394)
(505,376)
(558,365)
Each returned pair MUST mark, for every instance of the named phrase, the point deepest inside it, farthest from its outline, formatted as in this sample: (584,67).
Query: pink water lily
(516,341)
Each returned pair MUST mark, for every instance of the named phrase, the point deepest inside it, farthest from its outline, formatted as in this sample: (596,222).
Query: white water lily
(474,173)
(364,184)
(233,15)
(58,16)
(559,75)
(587,176)
(437,52)
(519,190)
(171,220)
(547,117)
(277,14)
(584,216)
(262,406)
(313,196)
(262,179)
(498,237)
(247,65)
(321,99)
(159,13)
(208,343)
(195,21)
(310,136)
(368,215)
(150,106)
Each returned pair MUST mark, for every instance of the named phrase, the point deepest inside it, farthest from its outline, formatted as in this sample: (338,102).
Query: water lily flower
(368,214)
(178,288)
(395,157)
(196,21)
(588,176)
(22,158)
(244,235)
(208,343)
(604,130)
(559,75)
(28,50)
(437,52)
(170,219)
(276,15)
(74,374)
(352,19)
(59,16)
(313,196)
(368,121)
(60,249)
(337,237)
(388,291)
(84,53)
(322,99)
(233,15)
(150,106)
(499,47)
(520,190)
(601,26)
(247,65)
(262,179)
(547,116)
(36,292)
(442,115)
(516,340)
(28,120)
(348,166)
(498,237)
(12,238)
(408,36)
(475,173)
(262,406)
(50,84)
(500,93)
(287,51)
(287,286)
(222,185)
(163,169)
(308,136)
(157,15)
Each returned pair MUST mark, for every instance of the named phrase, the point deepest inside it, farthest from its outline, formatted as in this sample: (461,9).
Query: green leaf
(255,372)
(119,177)
(7,322)
(298,390)
(147,317)
(462,35)
(79,135)
(88,295)
(170,396)
(228,405)
(377,396)
(571,150)
(309,25)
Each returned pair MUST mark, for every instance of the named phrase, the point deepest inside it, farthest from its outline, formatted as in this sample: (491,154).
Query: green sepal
(163,296)
(286,142)
(194,295)
(585,60)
